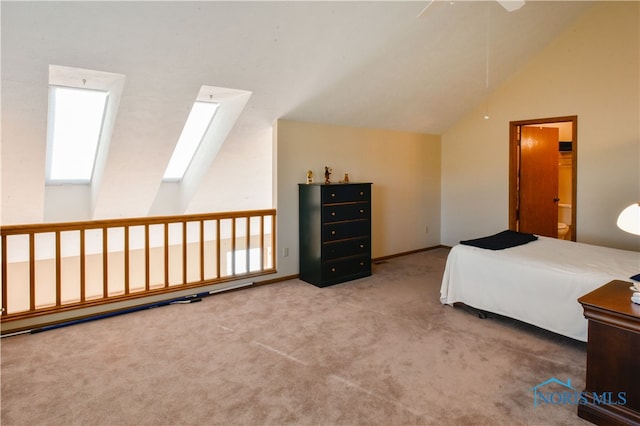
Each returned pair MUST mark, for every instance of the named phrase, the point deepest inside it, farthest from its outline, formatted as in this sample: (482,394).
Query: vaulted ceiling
(381,64)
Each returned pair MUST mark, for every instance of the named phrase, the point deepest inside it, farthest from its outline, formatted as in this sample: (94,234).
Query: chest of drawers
(613,357)
(335,232)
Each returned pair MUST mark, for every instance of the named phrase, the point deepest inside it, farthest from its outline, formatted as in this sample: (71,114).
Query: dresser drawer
(342,230)
(339,212)
(332,271)
(344,248)
(343,193)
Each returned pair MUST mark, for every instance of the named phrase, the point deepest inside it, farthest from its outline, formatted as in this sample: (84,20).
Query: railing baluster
(126,260)
(233,246)
(32,271)
(218,248)
(166,255)
(261,242)
(248,244)
(201,250)
(4,248)
(83,267)
(58,271)
(184,252)
(105,262)
(147,249)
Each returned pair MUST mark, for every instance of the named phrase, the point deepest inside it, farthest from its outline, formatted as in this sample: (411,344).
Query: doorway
(543,177)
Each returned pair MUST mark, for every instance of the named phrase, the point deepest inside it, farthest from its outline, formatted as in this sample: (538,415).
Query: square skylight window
(75,126)
(192,134)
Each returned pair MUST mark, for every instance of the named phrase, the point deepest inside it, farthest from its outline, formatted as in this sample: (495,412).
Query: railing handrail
(118,222)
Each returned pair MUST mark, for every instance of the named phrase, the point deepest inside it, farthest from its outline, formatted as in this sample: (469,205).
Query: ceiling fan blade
(511,5)
(425,8)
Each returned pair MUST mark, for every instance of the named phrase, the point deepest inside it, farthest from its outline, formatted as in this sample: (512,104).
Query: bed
(537,282)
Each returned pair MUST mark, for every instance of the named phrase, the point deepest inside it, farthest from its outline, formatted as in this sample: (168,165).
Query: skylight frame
(186,147)
(54,151)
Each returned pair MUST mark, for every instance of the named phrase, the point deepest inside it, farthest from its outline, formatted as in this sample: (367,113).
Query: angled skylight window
(194,130)
(75,124)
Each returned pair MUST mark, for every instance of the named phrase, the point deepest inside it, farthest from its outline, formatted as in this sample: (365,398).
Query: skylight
(194,130)
(76,119)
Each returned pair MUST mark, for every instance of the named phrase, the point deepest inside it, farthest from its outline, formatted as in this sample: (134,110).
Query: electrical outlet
(285,252)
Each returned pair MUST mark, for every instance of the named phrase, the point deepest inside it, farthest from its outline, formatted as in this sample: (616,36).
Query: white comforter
(538,283)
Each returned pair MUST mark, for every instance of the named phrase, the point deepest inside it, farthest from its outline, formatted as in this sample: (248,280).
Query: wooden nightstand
(613,355)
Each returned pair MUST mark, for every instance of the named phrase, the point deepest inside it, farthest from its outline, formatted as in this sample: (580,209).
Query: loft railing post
(273,240)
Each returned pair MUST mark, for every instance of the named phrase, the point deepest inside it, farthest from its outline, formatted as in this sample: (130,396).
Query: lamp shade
(629,219)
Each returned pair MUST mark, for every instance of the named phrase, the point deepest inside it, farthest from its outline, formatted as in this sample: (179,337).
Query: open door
(543,176)
(539,181)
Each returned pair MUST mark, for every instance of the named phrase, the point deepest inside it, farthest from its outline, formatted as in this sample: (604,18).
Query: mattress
(537,283)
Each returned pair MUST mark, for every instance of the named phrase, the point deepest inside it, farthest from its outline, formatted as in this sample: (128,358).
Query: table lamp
(629,221)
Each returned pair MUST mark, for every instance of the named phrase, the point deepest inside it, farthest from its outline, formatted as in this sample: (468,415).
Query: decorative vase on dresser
(335,232)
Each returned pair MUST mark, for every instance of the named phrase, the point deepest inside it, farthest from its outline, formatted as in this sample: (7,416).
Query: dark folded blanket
(501,240)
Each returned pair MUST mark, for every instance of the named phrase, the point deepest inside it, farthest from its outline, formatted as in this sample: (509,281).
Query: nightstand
(613,356)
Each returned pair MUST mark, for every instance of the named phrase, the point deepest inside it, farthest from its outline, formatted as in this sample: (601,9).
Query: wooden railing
(54,267)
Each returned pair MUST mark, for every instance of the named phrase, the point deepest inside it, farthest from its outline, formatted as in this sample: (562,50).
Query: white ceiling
(363,64)
(369,64)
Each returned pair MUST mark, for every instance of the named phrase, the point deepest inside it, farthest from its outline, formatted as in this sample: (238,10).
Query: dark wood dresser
(335,232)
(613,356)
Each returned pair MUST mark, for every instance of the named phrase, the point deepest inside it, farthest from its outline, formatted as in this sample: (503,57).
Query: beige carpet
(376,351)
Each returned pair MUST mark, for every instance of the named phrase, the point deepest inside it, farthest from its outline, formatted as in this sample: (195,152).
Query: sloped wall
(129,38)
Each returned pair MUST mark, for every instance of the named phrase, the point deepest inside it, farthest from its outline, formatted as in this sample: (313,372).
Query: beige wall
(403,167)
(590,71)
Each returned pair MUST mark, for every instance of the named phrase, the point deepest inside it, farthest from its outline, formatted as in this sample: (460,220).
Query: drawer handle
(333,213)
(361,192)
(333,232)
(333,269)
(361,210)
(361,263)
(333,194)
(361,245)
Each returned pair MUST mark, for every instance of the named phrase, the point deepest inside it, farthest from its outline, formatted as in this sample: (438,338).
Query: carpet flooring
(380,350)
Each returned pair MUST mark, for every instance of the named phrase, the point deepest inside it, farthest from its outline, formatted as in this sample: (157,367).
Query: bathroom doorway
(542,176)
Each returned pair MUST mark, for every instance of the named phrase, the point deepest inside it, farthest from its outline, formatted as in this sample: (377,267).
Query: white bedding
(537,283)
